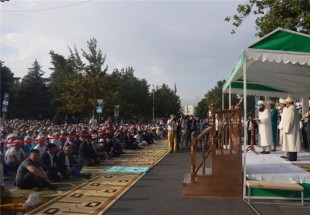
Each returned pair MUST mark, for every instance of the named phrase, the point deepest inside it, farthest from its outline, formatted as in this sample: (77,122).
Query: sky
(181,42)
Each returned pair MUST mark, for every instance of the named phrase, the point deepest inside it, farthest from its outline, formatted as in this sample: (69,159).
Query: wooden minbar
(220,174)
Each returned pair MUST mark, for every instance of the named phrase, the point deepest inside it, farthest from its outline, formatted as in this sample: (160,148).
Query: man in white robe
(264,128)
(283,108)
(290,130)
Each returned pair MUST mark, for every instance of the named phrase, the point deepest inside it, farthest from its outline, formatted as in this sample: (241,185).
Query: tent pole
(244,127)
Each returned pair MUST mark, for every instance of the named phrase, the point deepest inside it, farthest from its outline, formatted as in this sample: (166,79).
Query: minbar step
(210,186)
(187,177)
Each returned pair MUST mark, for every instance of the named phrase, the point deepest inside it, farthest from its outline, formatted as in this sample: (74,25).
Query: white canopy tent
(276,65)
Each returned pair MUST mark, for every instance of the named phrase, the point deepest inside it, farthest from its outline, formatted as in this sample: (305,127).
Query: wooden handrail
(204,133)
(229,128)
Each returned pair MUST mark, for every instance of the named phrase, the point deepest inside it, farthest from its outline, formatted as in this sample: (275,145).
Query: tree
(271,14)
(201,110)
(79,84)
(132,93)
(32,93)
(8,84)
(166,102)
(214,96)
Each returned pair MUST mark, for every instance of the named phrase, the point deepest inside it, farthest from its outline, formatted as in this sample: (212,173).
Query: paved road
(159,193)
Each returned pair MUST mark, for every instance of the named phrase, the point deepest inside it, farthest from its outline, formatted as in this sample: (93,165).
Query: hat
(281,101)
(270,102)
(290,99)
(260,102)
(101,140)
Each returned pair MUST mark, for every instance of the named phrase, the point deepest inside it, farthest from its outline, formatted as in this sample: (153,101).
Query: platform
(272,168)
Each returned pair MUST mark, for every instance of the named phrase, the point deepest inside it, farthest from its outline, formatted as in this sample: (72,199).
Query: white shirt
(172,125)
(19,154)
(93,124)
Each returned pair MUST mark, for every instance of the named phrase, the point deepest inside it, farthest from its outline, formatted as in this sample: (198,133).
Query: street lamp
(153,104)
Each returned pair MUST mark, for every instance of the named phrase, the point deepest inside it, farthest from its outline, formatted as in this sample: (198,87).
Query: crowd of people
(40,153)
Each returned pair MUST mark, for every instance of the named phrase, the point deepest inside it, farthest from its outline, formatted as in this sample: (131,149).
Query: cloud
(186,42)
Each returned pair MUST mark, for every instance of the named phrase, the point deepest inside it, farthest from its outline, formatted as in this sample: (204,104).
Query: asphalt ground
(159,192)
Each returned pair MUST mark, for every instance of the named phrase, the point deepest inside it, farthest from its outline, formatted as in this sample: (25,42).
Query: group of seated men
(50,160)
(46,164)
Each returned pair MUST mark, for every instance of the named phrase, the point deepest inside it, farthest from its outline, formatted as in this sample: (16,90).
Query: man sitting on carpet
(87,152)
(30,173)
(66,165)
(49,162)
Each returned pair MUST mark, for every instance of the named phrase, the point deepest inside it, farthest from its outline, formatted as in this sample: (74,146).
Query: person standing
(274,123)
(172,133)
(290,130)
(264,128)
(93,124)
(307,131)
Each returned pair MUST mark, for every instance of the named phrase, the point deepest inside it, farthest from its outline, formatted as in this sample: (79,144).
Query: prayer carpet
(97,194)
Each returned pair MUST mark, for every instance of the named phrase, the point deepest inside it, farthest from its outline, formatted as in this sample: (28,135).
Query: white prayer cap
(290,99)
(282,101)
(270,102)
(260,102)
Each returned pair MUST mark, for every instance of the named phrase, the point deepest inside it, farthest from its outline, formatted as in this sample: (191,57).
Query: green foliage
(214,96)
(201,110)
(271,14)
(131,93)
(7,79)
(166,102)
(8,84)
(32,95)
(75,84)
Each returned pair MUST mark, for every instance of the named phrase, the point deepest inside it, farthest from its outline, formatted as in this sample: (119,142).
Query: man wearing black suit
(66,166)
(49,163)
(87,152)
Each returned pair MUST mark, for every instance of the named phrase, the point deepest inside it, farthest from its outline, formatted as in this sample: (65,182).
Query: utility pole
(153,104)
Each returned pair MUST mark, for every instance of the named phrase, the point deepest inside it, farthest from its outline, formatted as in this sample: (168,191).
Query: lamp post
(153,104)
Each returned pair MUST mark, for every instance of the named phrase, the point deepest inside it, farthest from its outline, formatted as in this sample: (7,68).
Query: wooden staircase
(221,174)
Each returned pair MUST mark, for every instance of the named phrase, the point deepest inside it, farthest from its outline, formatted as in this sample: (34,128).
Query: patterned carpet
(109,183)
(304,166)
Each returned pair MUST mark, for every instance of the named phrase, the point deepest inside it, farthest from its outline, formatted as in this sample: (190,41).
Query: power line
(93,17)
(44,9)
